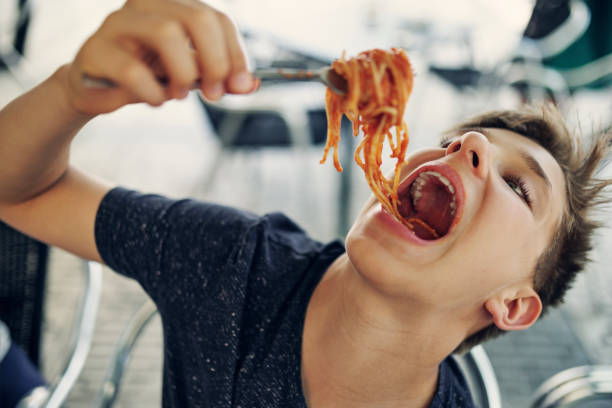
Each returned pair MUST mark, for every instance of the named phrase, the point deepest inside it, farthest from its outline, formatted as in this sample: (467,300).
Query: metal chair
(23,271)
(481,379)
(277,115)
(291,116)
(576,55)
(284,115)
(111,386)
(573,55)
(578,387)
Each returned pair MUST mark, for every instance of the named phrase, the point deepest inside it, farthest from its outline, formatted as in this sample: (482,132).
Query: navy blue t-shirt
(232,290)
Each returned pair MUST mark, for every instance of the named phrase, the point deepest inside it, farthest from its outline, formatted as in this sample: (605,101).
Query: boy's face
(509,198)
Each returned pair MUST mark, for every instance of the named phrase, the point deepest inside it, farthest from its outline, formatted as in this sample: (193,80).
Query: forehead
(512,142)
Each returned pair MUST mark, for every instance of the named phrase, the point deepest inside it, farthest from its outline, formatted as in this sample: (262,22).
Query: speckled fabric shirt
(232,290)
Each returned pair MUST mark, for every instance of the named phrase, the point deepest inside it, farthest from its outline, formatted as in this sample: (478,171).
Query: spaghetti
(379,84)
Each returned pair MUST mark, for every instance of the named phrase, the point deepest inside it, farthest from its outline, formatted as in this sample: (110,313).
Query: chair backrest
(23,272)
(268,117)
(23,265)
(481,379)
(257,126)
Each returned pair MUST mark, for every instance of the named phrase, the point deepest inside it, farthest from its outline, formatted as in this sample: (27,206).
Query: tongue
(423,232)
(433,208)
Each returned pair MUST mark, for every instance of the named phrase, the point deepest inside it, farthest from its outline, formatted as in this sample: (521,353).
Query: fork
(325,75)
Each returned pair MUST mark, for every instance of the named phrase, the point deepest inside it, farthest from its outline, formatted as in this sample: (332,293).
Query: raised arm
(182,40)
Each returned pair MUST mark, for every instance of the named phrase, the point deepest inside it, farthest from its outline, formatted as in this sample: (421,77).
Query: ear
(515,310)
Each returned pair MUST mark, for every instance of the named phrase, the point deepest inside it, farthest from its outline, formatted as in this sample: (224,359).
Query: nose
(473,148)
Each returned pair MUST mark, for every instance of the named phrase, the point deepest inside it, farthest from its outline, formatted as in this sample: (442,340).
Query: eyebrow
(534,166)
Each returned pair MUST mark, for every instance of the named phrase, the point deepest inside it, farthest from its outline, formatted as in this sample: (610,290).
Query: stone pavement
(169,151)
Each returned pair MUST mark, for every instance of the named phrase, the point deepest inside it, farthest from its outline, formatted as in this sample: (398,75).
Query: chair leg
(121,356)
(228,132)
(82,336)
(22,26)
(296,119)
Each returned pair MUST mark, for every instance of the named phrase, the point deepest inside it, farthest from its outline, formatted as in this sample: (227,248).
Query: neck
(362,348)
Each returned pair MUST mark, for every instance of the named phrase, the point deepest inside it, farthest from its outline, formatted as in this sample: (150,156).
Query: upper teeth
(421,180)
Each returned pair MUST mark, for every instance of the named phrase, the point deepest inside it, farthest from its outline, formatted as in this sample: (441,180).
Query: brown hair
(567,254)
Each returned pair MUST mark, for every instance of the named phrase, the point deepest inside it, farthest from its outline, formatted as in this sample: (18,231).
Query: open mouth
(429,204)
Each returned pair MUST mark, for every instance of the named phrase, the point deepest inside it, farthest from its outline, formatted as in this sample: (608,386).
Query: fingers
(218,46)
(164,41)
(209,42)
(181,40)
(136,82)
(132,75)
(240,80)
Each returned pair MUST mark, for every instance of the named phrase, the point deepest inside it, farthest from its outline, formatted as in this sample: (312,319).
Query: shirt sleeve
(164,243)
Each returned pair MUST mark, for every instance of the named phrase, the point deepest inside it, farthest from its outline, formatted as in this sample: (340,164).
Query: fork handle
(89,81)
(283,74)
(286,74)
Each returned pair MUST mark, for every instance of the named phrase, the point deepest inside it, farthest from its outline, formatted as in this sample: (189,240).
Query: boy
(255,313)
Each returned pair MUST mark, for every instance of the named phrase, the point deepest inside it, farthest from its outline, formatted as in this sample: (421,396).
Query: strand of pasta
(379,84)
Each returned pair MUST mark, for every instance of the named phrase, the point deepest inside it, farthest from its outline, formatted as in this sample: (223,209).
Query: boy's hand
(181,40)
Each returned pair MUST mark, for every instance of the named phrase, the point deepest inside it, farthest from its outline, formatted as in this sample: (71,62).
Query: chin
(391,270)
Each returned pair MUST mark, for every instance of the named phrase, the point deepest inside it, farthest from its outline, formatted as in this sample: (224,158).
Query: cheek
(508,233)
(506,212)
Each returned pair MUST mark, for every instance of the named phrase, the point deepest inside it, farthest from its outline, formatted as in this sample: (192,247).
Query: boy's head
(567,252)
(520,190)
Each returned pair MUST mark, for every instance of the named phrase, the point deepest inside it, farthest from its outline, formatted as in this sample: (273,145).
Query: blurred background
(262,152)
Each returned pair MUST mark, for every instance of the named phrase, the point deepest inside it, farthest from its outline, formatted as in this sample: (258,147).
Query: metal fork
(326,75)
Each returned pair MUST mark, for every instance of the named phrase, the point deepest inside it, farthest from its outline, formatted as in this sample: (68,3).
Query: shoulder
(284,233)
(152,238)
(281,248)
(126,215)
